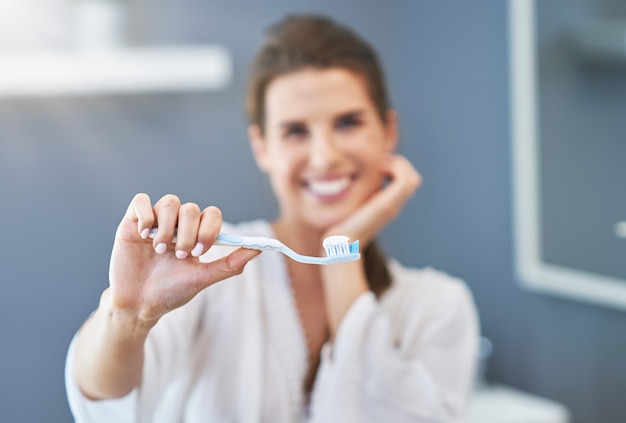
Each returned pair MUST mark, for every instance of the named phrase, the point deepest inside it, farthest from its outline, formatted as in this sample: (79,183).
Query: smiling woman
(324,144)
(282,341)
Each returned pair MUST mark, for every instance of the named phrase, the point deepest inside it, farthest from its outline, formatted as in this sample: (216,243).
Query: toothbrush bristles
(338,249)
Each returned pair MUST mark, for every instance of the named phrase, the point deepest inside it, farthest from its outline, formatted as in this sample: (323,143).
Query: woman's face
(323,144)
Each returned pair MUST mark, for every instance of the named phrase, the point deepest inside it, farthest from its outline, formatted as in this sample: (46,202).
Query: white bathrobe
(237,353)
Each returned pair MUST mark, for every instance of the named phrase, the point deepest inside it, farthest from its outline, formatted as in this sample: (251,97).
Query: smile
(329,188)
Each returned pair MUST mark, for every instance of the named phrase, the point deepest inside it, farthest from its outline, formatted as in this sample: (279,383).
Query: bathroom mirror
(568,94)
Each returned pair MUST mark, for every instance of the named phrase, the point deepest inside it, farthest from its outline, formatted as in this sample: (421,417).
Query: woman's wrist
(128,323)
(343,284)
(109,351)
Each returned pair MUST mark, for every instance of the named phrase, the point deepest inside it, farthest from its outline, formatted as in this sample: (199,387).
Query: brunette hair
(313,41)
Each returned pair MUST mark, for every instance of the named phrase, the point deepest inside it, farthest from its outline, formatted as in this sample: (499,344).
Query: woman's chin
(323,222)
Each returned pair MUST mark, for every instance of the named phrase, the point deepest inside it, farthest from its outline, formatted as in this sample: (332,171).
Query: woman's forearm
(343,284)
(109,354)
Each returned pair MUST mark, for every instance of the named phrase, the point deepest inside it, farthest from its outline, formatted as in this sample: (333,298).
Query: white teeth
(329,187)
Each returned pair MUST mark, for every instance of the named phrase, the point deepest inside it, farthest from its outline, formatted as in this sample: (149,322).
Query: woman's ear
(259,147)
(391,131)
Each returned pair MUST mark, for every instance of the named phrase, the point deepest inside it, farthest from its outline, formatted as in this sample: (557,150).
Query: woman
(282,341)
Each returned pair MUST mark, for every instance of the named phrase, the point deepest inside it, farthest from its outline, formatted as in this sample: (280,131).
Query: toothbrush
(338,249)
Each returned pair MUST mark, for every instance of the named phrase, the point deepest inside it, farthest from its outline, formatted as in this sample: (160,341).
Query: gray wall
(68,168)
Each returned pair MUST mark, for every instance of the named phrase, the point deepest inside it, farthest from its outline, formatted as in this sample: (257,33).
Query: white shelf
(129,70)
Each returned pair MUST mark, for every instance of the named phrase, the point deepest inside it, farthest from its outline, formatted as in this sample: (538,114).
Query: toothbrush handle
(227,239)
(252,242)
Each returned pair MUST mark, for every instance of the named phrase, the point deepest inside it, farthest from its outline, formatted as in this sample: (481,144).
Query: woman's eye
(348,122)
(295,132)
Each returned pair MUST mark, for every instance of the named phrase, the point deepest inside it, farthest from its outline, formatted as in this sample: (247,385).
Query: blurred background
(70,163)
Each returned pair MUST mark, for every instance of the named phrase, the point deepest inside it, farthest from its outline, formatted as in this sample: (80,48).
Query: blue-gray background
(69,167)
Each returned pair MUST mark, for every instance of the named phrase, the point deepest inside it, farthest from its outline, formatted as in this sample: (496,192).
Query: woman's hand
(344,283)
(364,223)
(148,279)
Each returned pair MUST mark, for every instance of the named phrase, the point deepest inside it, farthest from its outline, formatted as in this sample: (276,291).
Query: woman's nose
(324,152)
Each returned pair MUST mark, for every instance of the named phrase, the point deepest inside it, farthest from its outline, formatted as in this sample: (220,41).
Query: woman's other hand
(384,205)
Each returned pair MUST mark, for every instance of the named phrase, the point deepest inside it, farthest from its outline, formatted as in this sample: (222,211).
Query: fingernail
(160,248)
(197,250)
(181,254)
(144,234)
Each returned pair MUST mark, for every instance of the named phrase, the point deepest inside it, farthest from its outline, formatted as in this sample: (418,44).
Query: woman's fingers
(180,226)
(187,229)
(405,180)
(166,212)
(225,267)
(139,215)
(210,226)
(386,204)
